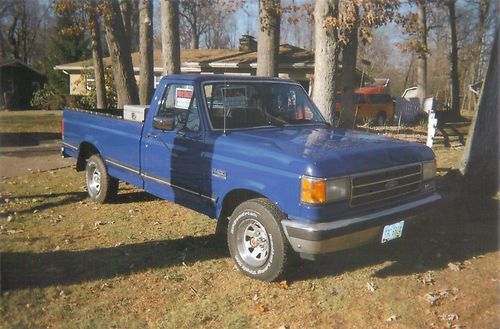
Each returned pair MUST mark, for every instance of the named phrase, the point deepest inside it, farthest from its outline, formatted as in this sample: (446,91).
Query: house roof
(222,77)
(289,56)
(19,63)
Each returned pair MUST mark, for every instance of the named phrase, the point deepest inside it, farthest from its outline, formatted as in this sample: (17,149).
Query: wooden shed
(18,82)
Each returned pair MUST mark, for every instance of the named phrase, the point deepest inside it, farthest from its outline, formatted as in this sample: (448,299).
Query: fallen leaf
(283,284)
(455,267)
(392,318)
(261,308)
(428,278)
(371,286)
(448,317)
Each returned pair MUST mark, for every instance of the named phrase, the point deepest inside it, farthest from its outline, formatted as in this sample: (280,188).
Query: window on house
(9,86)
(89,83)
(35,86)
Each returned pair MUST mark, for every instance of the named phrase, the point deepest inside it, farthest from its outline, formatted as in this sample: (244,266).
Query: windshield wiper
(272,120)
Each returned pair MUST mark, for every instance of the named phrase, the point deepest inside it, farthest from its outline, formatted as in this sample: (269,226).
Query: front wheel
(256,240)
(100,186)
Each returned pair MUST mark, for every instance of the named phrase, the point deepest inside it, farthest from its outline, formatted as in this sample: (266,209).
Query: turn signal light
(313,190)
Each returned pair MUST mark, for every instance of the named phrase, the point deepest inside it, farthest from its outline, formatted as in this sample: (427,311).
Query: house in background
(294,63)
(18,82)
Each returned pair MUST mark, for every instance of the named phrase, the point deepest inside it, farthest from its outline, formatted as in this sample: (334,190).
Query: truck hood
(322,151)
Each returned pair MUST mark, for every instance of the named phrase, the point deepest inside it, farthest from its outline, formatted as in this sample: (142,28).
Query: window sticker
(183,98)
(235,96)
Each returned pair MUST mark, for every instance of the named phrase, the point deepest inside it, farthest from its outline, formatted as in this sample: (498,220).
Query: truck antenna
(224,95)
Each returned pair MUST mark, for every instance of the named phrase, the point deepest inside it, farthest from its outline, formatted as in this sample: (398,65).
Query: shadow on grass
(460,227)
(136,196)
(452,232)
(37,270)
(68,198)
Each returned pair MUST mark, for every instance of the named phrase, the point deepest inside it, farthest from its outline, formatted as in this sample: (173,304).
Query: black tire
(264,258)
(101,187)
(381,118)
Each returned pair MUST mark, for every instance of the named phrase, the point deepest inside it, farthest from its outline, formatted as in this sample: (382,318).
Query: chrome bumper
(318,238)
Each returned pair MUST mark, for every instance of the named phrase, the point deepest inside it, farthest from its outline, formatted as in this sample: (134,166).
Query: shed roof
(19,63)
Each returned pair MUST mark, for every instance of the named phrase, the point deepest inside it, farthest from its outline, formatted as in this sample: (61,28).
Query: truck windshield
(258,104)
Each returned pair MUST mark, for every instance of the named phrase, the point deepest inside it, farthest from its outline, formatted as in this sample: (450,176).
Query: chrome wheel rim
(252,241)
(94,180)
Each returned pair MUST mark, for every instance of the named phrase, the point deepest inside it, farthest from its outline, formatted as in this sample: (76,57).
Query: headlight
(320,190)
(428,170)
(338,189)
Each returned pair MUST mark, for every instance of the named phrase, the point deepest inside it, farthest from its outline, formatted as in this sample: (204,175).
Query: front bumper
(319,238)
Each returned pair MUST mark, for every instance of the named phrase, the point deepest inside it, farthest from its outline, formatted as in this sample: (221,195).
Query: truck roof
(221,77)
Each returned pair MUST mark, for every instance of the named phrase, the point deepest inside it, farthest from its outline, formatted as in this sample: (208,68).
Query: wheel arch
(231,200)
(85,151)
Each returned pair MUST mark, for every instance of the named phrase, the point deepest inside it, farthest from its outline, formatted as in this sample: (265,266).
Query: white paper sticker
(183,98)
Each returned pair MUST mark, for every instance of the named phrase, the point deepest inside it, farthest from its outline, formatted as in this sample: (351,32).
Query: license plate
(392,231)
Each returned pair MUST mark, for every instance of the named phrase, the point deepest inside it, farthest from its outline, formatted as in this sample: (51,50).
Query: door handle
(151,136)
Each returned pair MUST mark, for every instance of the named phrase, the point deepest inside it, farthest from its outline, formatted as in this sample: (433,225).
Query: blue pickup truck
(256,154)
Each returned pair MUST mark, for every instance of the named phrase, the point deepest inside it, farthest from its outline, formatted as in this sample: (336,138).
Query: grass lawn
(30,121)
(29,128)
(144,262)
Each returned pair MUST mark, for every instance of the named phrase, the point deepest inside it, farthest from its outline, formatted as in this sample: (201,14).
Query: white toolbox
(134,112)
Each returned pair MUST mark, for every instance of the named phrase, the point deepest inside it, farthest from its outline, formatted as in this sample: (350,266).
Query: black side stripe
(163,181)
(158,179)
(122,166)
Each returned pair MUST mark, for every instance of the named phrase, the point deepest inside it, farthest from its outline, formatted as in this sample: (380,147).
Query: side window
(179,101)
(193,118)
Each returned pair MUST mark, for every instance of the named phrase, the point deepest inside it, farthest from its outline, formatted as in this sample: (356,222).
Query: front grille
(385,184)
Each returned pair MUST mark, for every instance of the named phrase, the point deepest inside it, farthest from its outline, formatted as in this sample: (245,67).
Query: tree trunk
(126,14)
(95,34)
(269,38)
(484,6)
(171,50)
(146,77)
(325,57)
(455,87)
(349,59)
(480,160)
(121,59)
(195,38)
(422,54)
(12,37)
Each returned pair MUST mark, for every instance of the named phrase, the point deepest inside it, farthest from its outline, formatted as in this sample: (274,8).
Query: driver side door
(171,165)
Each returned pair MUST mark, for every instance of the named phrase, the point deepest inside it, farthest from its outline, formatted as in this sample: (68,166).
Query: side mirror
(163,123)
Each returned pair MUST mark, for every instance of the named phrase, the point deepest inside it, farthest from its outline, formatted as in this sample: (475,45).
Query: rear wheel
(256,240)
(100,186)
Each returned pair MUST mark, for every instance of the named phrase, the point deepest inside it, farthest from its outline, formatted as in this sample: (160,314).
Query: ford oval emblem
(391,184)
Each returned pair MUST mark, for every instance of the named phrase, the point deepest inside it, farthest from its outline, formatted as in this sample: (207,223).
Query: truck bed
(117,140)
